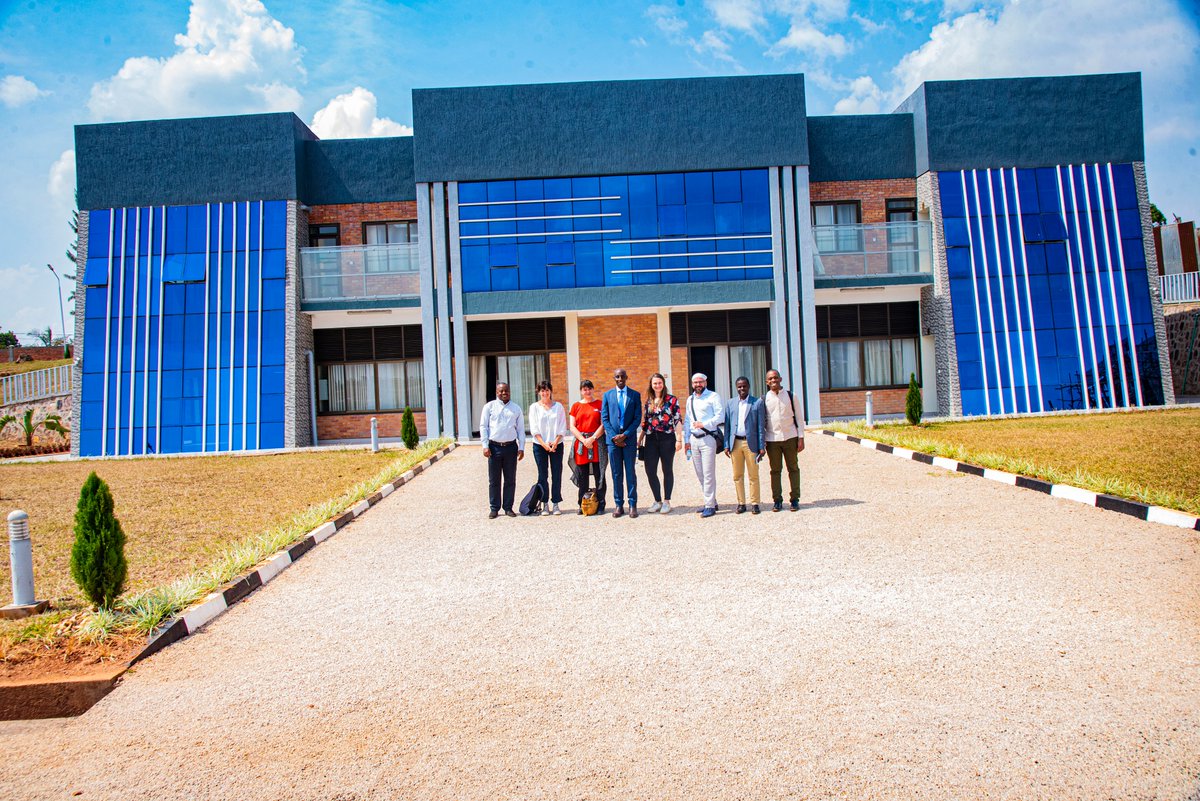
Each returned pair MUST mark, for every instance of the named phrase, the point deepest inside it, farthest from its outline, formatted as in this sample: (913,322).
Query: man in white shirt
(785,438)
(703,419)
(502,429)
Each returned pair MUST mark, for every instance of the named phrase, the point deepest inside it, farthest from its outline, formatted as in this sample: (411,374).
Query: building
(248,285)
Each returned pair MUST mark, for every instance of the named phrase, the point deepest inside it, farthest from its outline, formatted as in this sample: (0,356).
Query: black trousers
(586,473)
(502,464)
(552,463)
(660,449)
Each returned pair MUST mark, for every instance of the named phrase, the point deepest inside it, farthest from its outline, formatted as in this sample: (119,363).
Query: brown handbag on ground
(589,504)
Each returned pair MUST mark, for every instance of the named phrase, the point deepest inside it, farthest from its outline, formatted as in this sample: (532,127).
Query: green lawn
(1151,456)
(12,368)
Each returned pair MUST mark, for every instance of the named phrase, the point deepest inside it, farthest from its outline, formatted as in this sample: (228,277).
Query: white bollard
(20,553)
(375,434)
(870,411)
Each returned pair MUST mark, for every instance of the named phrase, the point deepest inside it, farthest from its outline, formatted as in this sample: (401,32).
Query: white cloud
(865,98)
(17,90)
(667,21)
(33,304)
(740,15)
(869,26)
(355,115)
(805,38)
(234,58)
(61,183)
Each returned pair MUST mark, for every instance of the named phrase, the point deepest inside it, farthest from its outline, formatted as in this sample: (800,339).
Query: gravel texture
(910,633)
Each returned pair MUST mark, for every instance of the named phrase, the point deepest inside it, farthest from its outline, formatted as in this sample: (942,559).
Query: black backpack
(531,504)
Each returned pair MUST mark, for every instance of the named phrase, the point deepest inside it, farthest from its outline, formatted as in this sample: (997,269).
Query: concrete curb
(196,617)
(1142,511)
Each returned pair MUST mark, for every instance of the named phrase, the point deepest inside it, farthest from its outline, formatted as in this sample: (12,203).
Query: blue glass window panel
(531,273)
(1032,226)
(1139,298)
(1063,311)
(93,351)
(700,220)
(273,294)
(273,380)
(560,276)
(643,222)
(1047,188)
(698,187)
(556,188)
(275,224)
(95,273)
(963,303)
(468,229)
(1053,229)
(643,190)
(1027,192)
(1135,255)
(505,279)
(196,229)
(272,435)
(272,407)
(755,186)
(1124,187)
(274,264)
(756,217)
(503,227)
(96,301)
(529,190)
(585,187)
(472,193)
(272,345)
(98,244)
(1056,257)
(172,411)
(955,230)
(951,192)
(672,221)
(670,189)
(727,187)
(614,186)
(589,264)
(728,218)
(1129,221)
(973,402)
(475,268)
(587,207)
(735,259)
(560,226)
(645,277)
(502,256)
(560,253)
(1035,259)
(193,340)
(466,213)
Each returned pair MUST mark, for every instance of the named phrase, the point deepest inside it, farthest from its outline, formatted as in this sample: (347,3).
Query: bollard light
(20,553)
(375,434)
(870,411)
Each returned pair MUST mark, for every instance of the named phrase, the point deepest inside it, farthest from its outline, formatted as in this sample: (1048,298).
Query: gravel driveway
(909,633)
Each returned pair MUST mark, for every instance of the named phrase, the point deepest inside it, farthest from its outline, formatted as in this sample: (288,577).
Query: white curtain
(845,369)
(904,360)
(749,361)
(522,374)
(479,388)
(391,386)
(878,360)
(721,383)
(351,388)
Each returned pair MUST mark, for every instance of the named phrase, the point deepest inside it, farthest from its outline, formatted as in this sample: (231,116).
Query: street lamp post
(61,313)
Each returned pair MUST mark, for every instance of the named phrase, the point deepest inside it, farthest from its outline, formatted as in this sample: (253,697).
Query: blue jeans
(551,463)
(621,461)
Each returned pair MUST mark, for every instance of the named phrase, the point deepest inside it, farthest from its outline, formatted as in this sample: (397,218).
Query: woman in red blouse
(591,455)
(662,437)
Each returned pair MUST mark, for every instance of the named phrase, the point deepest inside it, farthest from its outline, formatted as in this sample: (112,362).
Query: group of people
(610,434)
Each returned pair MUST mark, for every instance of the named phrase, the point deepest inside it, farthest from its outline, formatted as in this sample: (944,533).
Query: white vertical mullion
(1087,305)
(120,336)
(162,266)
(1037,368)
(232,312)
(149,308)
(204,371)
(258,343)
(987,402)
(1112,287)
(778,309)
(987,288)
(137,244)
(217,344)
(1012,263)
(112,213)
(1137,372)
(1087,197)
(1012,381)
(246,328)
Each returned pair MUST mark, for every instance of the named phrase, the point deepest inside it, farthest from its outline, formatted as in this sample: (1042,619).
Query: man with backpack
(785,438)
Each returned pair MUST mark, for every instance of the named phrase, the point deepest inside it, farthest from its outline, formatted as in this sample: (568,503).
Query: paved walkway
(910,633)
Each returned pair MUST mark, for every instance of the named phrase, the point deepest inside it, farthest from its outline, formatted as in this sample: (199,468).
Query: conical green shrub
(912,401)
(408,429)
(98,555)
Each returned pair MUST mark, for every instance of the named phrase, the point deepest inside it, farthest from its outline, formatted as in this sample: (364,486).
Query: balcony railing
(354,272)
(1180,288)
(879,249)
(35,385)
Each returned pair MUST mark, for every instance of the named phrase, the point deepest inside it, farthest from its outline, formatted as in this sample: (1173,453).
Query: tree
(408,429)
(9,340)
(98,555)
(1156,216)
(912,401)
(73,255)
(43,335)
(51,422)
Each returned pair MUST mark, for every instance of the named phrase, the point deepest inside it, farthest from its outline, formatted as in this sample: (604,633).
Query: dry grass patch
(12,368)
(1151,456)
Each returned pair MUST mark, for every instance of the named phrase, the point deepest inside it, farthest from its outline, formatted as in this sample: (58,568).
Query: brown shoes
(633,511)
(618,511)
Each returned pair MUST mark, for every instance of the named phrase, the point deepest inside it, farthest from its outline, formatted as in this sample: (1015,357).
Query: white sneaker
(557,511)
(654,507)
(545,511)
(666,507)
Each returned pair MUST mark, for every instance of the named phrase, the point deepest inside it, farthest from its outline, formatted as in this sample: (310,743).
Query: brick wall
(1183,334)
(628,340)
(37,354)
(558,379)
(14,433)
(873,195)
(358,426)
(854,402)
(681,379)
(351,216)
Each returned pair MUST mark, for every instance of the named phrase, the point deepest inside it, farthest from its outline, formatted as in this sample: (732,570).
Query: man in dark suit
(621,414)
(745,441)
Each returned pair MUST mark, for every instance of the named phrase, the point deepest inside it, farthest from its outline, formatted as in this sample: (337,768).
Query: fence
(1180,288)
(35,385)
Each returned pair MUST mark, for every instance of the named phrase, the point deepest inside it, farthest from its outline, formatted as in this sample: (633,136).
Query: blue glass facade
(184,329)
(615,230)
(1049,289)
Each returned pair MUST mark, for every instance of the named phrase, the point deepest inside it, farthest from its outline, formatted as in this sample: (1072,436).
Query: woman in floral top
(662,436)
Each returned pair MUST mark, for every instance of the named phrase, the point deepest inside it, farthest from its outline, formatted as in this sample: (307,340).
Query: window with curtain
(750,361)
(522,374)
(864,363)
(370,387)
(828,218)
(388,233)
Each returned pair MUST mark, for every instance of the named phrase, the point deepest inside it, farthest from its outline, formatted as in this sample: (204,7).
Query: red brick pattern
(873,195)
(38,354)
(681,377)
(558,379)
(628,340)
(351,216)
(358,426)
(854,402)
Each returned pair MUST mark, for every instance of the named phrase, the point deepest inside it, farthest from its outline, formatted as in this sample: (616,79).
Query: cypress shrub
(912,401)
(408,429)
(98,555)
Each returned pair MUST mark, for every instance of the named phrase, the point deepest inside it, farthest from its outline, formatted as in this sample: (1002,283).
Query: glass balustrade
(353,272)
(878,249)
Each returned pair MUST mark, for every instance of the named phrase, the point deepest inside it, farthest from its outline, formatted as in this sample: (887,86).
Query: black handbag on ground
(531,504)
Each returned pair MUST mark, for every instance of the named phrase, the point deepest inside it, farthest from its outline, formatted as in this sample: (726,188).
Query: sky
(346,67)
